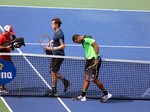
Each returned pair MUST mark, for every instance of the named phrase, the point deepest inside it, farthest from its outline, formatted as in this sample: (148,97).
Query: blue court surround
(127,29)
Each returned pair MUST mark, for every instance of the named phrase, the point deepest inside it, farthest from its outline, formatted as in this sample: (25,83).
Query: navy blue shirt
(57,38)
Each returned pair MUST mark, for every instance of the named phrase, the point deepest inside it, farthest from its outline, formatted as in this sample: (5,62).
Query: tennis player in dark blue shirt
(57,46)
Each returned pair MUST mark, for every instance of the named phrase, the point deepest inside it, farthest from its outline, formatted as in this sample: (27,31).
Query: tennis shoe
(4,91)
(67,84)
(106,97)
(80,98)
(51,93)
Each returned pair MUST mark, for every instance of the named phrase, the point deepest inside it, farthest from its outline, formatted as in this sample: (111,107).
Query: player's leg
(67,83)
(82,97)
(97,82)
(106,95)
(3,89)
(86,83)
(53,91)
(54,82)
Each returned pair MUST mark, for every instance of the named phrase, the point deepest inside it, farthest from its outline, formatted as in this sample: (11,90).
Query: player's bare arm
(62,46)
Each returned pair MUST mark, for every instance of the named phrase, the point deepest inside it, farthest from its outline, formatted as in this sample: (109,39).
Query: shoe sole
(110,95)
(48,95)
(4,93)
(77,99)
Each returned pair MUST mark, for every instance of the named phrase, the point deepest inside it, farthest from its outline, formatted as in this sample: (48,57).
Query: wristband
(97,57)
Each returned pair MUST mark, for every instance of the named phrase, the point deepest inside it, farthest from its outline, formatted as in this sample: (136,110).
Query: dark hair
(57,21)
(74,37)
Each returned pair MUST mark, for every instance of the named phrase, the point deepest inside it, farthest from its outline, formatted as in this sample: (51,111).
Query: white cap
(9,29)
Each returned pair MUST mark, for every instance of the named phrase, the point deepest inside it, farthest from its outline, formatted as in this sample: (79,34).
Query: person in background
(5,37)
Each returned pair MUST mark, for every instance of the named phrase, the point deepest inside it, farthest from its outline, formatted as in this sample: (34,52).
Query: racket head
(44,39)
(91,72)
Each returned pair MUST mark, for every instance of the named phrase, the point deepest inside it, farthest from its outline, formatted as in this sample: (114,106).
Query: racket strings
(91,72)
(44,40)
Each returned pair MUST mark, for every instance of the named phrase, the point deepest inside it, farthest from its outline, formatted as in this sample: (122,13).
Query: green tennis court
(100,4)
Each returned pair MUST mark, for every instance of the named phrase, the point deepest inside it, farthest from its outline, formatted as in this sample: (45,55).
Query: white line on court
(105,46)
(6,104)
(69,8)
(65,106)
(0,96)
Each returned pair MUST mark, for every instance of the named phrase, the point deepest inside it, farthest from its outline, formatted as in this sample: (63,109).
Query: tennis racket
(44,41)
(91,72)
